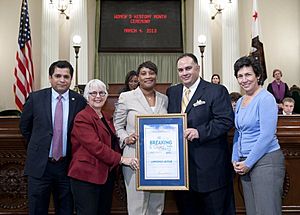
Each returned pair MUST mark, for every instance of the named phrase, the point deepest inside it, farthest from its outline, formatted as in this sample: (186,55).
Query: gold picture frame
(162,152)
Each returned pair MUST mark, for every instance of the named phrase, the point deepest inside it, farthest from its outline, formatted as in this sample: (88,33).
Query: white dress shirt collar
(192,88)
(56,94)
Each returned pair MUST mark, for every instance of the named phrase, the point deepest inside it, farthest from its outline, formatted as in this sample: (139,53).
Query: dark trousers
(55,181)
(93,199)
(217,202)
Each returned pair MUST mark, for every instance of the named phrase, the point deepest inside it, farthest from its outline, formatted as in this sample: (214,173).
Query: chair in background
(295,93)
(10,112)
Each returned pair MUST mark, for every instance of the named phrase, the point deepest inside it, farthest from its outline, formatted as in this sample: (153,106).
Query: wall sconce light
(76,45)
(219,6)
(62,6)
(202,44)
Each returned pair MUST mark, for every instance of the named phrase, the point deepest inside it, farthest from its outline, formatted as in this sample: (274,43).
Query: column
(49,40)
(202,26)
(78,18)
(230,45)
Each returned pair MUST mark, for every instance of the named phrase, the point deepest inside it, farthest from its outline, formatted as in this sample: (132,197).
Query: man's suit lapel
(197,95)
(72,107)
(47,106)
(178,98)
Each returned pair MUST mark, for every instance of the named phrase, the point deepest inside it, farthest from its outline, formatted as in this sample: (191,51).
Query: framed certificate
(162,152)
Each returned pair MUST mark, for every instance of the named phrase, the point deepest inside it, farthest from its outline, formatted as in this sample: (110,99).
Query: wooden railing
(288,133)
(13,195)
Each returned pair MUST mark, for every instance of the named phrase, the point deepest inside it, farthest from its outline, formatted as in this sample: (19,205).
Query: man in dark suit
(48,173)
(209,118)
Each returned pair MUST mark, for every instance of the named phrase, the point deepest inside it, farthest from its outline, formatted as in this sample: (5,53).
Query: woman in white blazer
(142,100)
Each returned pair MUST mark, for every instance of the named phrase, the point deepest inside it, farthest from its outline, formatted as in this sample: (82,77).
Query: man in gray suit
(46,173)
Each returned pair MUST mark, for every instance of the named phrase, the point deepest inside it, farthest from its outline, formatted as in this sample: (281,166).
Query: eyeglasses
(101,94)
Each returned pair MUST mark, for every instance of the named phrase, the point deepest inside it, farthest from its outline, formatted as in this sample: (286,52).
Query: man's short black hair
(188,55)
(61,64)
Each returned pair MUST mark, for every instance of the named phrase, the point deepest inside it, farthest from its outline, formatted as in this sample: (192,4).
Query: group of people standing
(94,144)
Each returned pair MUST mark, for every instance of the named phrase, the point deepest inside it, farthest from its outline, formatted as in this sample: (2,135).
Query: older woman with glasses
(95,154)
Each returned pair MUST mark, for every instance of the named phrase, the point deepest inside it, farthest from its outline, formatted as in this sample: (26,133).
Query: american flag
(24,67)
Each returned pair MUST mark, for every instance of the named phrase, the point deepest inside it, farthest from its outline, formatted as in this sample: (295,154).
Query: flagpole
(257,48)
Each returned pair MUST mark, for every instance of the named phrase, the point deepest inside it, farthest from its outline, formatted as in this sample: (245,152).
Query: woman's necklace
(150,99)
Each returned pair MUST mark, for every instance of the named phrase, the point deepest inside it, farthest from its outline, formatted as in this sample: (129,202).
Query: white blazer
(128,106)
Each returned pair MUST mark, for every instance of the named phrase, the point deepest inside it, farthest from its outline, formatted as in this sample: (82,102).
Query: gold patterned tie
(185,99)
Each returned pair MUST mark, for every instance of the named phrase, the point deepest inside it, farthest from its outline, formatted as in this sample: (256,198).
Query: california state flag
(257,49)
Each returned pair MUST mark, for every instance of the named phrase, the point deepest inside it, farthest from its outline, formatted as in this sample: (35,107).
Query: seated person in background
(288,105)
(278,88)
(131,81)
(215,79)
(234,97)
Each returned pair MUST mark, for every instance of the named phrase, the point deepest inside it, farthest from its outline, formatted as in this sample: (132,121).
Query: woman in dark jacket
(95,154)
